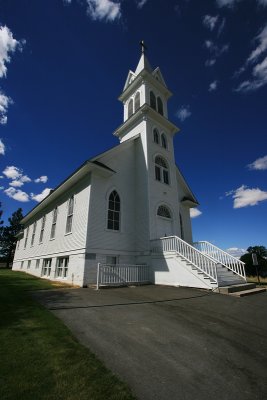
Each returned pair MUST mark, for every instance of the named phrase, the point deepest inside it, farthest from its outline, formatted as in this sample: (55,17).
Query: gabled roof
(88,166)
(190,198)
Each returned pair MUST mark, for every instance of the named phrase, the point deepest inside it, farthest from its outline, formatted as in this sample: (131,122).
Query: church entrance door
(164,227)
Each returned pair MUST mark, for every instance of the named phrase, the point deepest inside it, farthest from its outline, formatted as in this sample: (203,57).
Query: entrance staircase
(214,268)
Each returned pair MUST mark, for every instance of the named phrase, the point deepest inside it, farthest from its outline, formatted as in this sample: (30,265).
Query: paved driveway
(172,343)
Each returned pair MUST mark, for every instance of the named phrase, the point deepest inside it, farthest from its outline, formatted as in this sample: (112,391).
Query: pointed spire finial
(143,46)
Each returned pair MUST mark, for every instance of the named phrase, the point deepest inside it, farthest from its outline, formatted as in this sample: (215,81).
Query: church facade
(117,206)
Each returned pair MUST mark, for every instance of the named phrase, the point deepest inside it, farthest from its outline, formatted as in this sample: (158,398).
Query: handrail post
(97,276)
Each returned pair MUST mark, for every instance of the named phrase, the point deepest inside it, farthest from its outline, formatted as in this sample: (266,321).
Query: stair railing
(202,262)
(228,261)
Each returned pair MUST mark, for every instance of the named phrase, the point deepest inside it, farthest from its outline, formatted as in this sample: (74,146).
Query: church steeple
(143,62)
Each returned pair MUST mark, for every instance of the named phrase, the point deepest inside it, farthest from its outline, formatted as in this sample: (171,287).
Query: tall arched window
(114,208)
(130,108)
(161,170)
(163,141)
(163,211)
(181,226)
(153,100)
(137,101)
(156,135)
(160,106)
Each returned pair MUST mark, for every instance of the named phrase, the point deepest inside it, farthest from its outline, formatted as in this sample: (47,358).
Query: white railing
(228,261)
(200,261)
(122,274)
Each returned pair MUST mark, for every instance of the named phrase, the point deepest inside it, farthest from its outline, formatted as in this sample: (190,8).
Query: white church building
(124,215)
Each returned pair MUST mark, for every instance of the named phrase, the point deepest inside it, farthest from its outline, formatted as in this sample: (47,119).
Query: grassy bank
(39,357)
(254,279)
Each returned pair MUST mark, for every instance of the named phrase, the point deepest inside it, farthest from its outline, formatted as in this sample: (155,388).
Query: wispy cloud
(215,50)
(210,21)
(213,86)
(8,45)
(210,62)
(194,212)
(183,113)
(259,164)
(5,101)
(244,196)
(141,3)
(39,197)
(236,251)
(104,10)
(17,194)
(231,3)
(42,179)
(2,148)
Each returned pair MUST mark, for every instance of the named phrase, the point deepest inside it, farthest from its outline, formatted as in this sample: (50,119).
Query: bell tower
(145,96)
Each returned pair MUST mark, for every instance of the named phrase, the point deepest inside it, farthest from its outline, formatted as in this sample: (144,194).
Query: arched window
(137,101)
(163,141)
(160,106)
(161,170)
(114,208)
(181,226)
(130,108)
(163,211)
(156,135)
(153,100)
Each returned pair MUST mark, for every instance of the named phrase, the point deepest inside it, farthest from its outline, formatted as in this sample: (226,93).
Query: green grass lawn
(39,357)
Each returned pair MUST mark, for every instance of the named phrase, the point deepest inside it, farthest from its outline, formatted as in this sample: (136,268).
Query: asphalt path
(172,343)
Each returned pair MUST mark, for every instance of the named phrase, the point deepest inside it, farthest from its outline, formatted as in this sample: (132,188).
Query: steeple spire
(143,62)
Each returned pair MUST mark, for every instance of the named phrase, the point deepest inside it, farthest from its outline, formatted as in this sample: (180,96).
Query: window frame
(33,233)
(153,100)
(162,173)
(54,223)
(130,107)
(113,221)
(62,269)
(164,142)
(26,237)
(156,135)
(137,101)
(47,266)
(160,107)
(42,229)
(166,210)
(70,213)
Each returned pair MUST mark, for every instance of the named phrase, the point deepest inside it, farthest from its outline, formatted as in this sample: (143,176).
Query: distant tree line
(8,237)
(261,253)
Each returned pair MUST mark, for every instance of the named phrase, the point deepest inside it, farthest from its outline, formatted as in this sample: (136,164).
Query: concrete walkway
(172,343)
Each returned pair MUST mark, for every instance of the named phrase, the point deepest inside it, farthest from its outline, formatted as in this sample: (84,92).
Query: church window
(153,100)
(161,170)
(114,206)
(29,264)
(62,267)
(37,264)
(130,108)
(42,229)
(26,237)
(156,136)
(33,233)
(21,264)
(163,211)
(137,101)
(160,106)
(54,222)
(163,141)
(181,226)
(46,267)
(70,215)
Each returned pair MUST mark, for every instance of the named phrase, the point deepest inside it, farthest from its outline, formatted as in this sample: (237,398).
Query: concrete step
(248,292)
(237,288)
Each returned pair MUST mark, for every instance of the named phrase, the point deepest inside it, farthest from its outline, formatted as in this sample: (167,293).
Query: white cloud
(42,179)
(231,3)
(12,172)
(17,194)
(183,113)
(216,50)
(259,164)
(5,101)
(16,183)
(106,10)
(2,148)
(39,197)
(235,251)
(213,86)
(210,62)
(7,45)
(194,212)
(244,197)
(210,21)
(262,46)
(141,3)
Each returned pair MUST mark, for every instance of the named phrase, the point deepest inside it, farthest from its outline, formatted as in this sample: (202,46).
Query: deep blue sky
(69,67)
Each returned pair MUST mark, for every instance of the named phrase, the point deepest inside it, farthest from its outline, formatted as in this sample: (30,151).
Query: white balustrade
(118,274)
(228,261)
(202,262)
